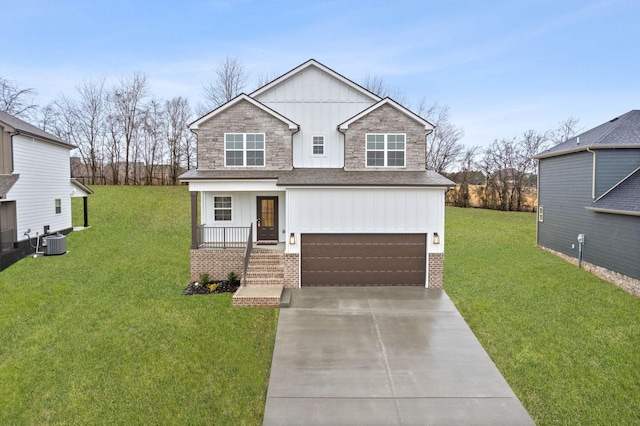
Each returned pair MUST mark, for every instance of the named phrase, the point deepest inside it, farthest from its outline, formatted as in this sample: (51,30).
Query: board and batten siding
(243,209)
(365,211)
(318,102)
(611,241)
(613,165)
(44,177)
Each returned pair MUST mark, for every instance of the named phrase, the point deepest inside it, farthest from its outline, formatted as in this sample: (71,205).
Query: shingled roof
(23,127)
(624,198)
(621,132)
(328,177)
(6,183)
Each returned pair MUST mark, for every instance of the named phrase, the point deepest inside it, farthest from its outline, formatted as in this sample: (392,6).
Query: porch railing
(247,255)
(223,237)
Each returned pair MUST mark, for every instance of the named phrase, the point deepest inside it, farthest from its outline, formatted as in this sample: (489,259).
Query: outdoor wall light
(292,238)
(436,238)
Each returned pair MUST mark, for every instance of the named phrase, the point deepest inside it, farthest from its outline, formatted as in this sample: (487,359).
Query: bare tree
(152,137)
(265,78)
(15,100)
(126,100)
(377,85)
(443,144)
(566,130)
(178,113)
(467,165)
(229,80)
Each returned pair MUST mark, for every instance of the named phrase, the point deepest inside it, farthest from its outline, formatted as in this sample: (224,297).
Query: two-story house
(326,177)
(35,188)
(589,200)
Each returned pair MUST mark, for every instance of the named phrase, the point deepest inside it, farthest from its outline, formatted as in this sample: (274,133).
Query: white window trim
(540,213)
(58,205)
(244,149)
(222,208)
(324,145)
(385,150)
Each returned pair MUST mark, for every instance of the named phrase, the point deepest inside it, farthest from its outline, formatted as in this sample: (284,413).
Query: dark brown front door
(267,223)
(363,259)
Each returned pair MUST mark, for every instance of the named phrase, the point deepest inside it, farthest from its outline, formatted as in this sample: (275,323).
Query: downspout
(344,146)
(293,133)
(593,175)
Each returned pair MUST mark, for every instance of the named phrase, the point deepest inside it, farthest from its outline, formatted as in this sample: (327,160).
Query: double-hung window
(244,149)
(318,145)
(386,150)
(222,208)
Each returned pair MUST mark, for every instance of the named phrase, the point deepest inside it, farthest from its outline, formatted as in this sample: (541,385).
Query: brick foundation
(216,262)
(436,270)
(628,284)
(291,262)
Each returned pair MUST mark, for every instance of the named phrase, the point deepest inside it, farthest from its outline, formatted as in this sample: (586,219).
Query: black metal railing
(223,237)
(247,255)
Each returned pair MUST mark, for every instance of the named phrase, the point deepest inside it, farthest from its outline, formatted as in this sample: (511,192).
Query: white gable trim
(242,97)
(316,64)
(388,101)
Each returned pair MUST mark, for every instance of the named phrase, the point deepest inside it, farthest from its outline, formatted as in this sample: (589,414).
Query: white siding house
(36,194)
(327,173)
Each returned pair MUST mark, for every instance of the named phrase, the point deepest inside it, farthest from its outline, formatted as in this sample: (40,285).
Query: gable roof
(22,127)
(77,185)
(316,64)
(621,132)
(387,101)
(624,198)
(243,97)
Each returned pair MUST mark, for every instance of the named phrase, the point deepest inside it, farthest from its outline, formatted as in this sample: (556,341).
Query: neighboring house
(590,185)
(328,172)
(35,187)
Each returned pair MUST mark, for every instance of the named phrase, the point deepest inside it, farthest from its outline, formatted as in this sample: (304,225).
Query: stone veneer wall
(291,262)
(216,262)
(385,119)
(628,284)
(436,270)
(244,118)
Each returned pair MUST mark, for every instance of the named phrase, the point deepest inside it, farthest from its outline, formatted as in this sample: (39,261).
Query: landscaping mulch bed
(220,287)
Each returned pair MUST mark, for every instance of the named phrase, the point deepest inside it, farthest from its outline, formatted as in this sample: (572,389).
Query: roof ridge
(618,120)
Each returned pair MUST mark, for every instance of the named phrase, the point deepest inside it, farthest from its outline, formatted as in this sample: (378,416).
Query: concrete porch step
(260,296)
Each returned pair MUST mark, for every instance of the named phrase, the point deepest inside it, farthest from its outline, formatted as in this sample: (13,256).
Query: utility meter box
(581,238)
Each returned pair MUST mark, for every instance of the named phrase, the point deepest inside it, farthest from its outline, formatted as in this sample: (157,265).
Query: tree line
(127,136)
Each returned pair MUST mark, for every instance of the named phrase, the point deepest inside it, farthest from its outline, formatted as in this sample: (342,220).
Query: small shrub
(212,287)
(204,278)
(232,278)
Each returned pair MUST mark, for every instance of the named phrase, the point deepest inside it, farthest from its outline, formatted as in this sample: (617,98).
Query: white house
(327,174)
(35,187)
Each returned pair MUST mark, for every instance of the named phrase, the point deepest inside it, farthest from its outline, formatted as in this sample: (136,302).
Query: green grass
(567,342)
(102,335)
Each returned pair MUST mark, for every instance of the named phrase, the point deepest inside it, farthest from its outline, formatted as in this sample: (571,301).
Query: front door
(267,223)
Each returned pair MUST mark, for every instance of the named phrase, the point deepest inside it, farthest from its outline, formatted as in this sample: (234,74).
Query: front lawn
(567,342)
(103,335)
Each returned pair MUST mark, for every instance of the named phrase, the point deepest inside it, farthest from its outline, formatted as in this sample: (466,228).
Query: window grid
(318,145)
(222,208)
(385,150)
(244,149)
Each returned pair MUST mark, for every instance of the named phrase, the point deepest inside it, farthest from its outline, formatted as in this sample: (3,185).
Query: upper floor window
(318,145)
(386,150)
(244,149)
(58,203)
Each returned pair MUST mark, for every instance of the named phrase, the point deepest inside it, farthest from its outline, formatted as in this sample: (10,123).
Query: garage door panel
(363,259)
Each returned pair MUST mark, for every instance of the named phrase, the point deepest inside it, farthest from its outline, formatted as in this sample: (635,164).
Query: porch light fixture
(292,238)
(436,238)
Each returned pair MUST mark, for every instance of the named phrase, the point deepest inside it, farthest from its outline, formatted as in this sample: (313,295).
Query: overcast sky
(503,67)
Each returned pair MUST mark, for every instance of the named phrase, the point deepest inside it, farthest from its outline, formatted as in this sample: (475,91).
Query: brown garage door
(363,259)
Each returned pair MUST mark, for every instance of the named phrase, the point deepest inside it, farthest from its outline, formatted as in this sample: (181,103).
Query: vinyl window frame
(225,208)
(58,205)
(245,150)
(389,146)
(322,145)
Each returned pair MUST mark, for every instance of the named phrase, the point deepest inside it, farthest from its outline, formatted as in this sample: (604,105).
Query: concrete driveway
(383,356)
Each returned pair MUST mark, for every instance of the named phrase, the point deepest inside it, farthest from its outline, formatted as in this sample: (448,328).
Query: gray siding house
(589,186)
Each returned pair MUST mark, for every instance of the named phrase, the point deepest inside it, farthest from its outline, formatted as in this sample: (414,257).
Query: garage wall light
(292,238)
(436,238)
